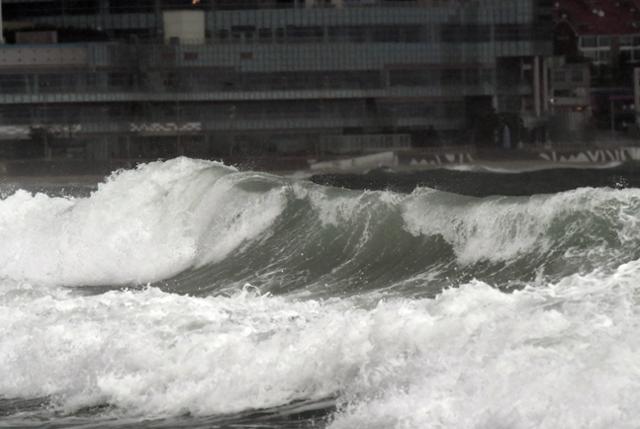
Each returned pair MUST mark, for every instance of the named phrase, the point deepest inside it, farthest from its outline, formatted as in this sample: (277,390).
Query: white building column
(537,102)
(545,85)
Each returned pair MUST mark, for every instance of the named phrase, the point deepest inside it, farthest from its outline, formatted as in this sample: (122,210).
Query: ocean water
(187,294)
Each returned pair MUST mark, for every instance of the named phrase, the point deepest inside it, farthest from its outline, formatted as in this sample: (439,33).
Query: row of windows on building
(606,41)
(371,33)
(20,10)
(201,81)
(565,76)
(185,112)
(470,33)
(600,49)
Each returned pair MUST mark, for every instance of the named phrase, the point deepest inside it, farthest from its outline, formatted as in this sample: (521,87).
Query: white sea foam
(565,355)
(561,355)
(514,168)
(140,225)
(502,228)
(335,207)
(152,353)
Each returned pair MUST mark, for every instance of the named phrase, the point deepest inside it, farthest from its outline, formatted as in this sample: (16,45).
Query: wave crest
(139,226)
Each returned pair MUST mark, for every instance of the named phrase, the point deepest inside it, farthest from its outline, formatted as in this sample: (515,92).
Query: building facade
(570,100)
(604,32)
(116,79)
(604,36)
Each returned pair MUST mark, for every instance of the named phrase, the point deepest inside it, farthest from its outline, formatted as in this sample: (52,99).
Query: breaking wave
(188,288)
(198,225)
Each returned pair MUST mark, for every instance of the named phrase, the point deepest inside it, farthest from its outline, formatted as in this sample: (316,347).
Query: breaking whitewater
(188,294)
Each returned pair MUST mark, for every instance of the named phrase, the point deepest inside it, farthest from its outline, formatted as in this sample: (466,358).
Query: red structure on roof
(599,17)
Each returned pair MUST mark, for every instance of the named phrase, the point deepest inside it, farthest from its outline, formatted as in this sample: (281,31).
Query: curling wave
(229,295)
(197,226)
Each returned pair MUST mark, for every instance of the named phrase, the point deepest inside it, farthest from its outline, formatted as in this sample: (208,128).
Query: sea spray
(140,226)
(376,309)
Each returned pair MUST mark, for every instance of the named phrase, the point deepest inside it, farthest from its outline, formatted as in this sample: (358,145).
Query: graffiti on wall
(24,132)
(434,159)
(593,156)
(165,127)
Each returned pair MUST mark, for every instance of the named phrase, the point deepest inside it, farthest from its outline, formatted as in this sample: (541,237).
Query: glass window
(604,41)
(577,76)
(348,34)
(411,77)
(12,83)
(386,34)
(625,40)
(265,34)
(472,76)
(17,11)
(486,76)
(604,56)
(304,34)
(239,31)
(588,41)
(127,6)
(452,77)
(504,32)
(559,76)
(593,55)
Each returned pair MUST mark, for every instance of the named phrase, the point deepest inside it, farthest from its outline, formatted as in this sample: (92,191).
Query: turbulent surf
(187,293)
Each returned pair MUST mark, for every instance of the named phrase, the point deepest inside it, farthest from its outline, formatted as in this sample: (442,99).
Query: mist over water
(188,294)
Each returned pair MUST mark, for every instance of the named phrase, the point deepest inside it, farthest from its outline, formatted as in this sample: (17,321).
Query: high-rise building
(103,79)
